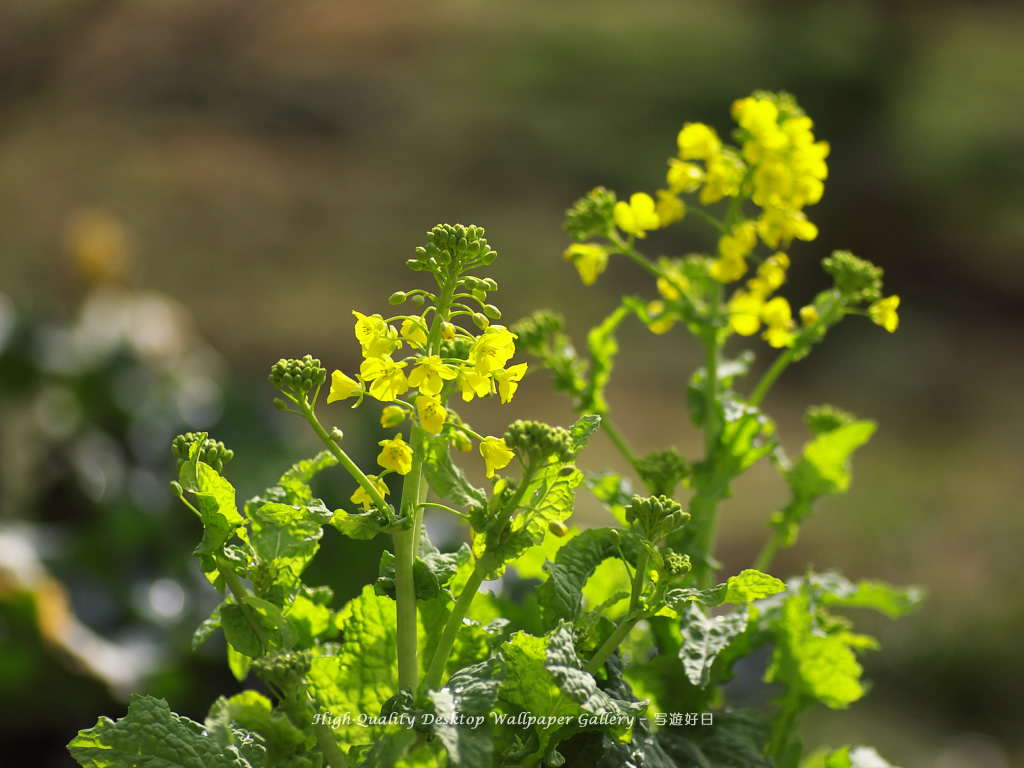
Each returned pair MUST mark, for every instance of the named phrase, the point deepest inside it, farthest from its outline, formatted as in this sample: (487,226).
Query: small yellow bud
(808,315)
(392,416)
(447,331)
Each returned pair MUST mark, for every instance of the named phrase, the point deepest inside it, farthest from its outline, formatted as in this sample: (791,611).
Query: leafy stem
(239,590)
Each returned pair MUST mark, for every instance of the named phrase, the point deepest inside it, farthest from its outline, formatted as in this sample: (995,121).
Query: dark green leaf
(735,739)
(704,637)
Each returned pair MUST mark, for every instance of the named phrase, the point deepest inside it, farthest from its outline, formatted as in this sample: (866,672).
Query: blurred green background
(271,166)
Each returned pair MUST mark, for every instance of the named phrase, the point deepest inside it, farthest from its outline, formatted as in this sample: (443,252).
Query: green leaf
(561,596)
(727,371)
(362,526)
(893,601)
(238,663)
(295,482)
(430,573)
(818,664)
(463,711)
(364,673)
(581,431)
(239,630)
(286,538)
(531,564)
(747,435)
(311,621)
(603,347)
(207,628)
(736,739)
(704,637)
(151,735)
(751,585)
(580,686)
(447,480)
(215,498)
(253,711)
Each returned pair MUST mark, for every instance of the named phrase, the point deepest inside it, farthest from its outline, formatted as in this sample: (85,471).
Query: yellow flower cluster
(752,306)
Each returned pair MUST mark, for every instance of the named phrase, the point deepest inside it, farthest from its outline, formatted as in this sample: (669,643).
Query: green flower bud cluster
(453,248)
(300,376)
(534,331)
(661,471)
(675,564)
(591,216)
(212,452)
(286,671)
(457,348)
(539,441)
(655,516)
(826,418)
(855,279)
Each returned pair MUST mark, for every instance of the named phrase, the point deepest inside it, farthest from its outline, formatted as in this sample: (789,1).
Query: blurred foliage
(266,156)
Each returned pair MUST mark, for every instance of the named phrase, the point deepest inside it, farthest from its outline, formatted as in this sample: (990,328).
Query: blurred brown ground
(275,163)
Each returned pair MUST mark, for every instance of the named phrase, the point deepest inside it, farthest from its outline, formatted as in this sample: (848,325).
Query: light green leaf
(364,673)
(430,574)
(252,711)
(286,538)
(727,372)
(751,585)
(362,526)
(447,480)
(215,499)
(311,621)
(151,735)
(704,637)
(893,601)
(238,663)
(603,347)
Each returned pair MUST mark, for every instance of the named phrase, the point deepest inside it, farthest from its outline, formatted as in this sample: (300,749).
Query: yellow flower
(740,241)
(496,454)
(396,455)
(342,387)
(779,318)
(808,315)
(745,312)
(725,172)
(376,337)
(883,313)
(362,497)
(508,380)
(492,349)
(412,329)
(773,271)
(637,216)
(698,141)
(669,207)
(590,260)
(430,374)
(657,320)
(776,226)
(388,380)
(432,413)
(683,177)
(472,383)
(674,280)
(392,416)
(728,269)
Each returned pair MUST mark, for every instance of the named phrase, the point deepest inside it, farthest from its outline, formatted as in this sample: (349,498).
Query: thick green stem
(332,752)
(639,579)
(435,672)
(405,600)
(614,640)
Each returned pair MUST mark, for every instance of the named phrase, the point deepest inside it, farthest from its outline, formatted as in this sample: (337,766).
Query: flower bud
(392,416)
(492,312)
(447,331)
(396,298)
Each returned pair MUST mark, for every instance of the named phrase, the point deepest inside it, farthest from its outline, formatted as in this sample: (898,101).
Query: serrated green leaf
(364,673)
(751,585)
(362,526)
(311,621)
(210,625)
(254,712)
(463,709)
(704,637)
(531,564)
(582,429)
(447,480)
(215,499)
(430,574)
(151,735)
(736,739)
(286,538)
(561,596)
(295,482)
(574,681)
(603,347)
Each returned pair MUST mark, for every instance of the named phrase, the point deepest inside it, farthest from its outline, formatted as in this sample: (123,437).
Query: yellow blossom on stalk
(590,260)
(392,416)
(883,313)
(683,177)
(745,312)
(473,383)
(698,141)
(669,207)
(779,318)
(496,453)
(412,329)
(388,380)
(740,241)
(658,322)
(362,497)
(432,413)
(637,216)
(396,455)
(724,174)
(728,269)
(808,315)
(777,226)
(508,380)
(375,336)
(342,387)
(492,349)
(673,281)
(429,374)
(773,271)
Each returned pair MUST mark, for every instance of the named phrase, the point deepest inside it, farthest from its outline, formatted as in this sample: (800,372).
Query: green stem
(405,600)
(784,723)
(769,377)
(767,553)
(707,218)
(332,752)
(240,592)
(639,579)
(343,458)
(439,661)
(614,640)
(711,373)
